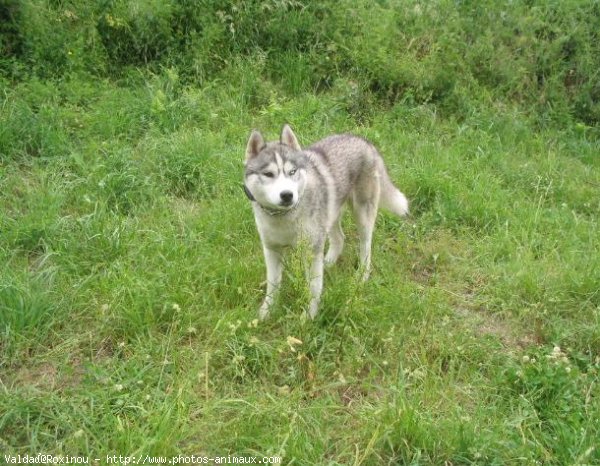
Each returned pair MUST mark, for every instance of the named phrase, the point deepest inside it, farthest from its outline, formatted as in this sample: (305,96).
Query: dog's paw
(263,312)
(313,309)
(364,272)
(330,260)
(333,254)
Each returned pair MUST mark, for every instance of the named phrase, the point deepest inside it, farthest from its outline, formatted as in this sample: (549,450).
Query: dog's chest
(277,232)
(285,231)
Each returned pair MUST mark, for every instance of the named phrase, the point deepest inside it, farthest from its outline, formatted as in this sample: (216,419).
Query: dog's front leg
(316,281)
(274,270)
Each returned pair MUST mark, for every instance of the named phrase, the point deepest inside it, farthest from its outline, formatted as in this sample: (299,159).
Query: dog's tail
(391,198)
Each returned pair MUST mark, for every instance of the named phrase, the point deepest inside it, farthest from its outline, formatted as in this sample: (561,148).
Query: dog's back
(355,165)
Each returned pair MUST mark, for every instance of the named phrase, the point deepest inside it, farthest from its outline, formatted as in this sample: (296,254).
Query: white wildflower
(293,342)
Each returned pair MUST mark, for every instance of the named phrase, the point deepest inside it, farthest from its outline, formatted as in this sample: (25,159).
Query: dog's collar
(276,212)
(248,193)
(266,210)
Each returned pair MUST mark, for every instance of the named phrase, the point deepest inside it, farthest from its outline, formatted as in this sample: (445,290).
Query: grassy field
(133,271)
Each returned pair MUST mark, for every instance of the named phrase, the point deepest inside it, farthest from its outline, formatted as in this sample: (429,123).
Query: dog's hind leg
(274,264)
(365,202)
(316,281)
(336,241)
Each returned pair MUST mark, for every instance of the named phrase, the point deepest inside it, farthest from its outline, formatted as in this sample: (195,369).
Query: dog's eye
(293,172)
(268,174)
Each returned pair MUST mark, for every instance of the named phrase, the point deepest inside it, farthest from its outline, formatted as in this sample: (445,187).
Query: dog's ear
(255,145)
(289,138)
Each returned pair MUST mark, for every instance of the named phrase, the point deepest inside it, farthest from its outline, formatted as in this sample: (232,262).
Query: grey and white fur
(299,193)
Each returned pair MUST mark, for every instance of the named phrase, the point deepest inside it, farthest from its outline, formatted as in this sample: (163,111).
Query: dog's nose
(286,196)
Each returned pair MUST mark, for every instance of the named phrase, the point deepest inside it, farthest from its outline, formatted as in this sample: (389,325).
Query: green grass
(133,271)
(134,276)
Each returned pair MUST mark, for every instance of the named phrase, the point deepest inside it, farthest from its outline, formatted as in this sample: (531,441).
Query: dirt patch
(350,394)
(44,376)
(483,323)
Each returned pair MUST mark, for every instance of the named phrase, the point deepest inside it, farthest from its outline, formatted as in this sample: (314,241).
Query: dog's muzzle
(287,198)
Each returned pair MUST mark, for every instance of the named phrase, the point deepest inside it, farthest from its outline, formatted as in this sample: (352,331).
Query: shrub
(544,57)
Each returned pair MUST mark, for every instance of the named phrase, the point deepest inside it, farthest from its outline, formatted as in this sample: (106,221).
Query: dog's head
(275,172)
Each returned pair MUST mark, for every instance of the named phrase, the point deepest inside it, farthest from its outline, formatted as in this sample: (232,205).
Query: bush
(543,57)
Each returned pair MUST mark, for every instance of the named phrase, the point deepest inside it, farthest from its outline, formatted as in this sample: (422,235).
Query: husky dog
(299,193)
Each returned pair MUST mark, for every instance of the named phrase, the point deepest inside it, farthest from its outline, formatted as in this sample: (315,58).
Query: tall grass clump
(28,311)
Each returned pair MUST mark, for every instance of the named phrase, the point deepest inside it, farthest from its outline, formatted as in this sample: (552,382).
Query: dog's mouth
(279,209)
